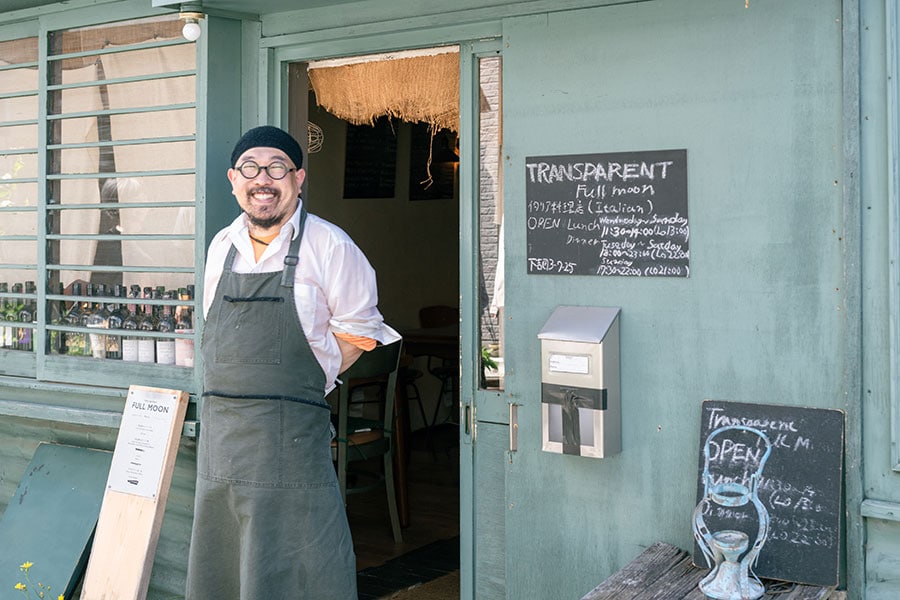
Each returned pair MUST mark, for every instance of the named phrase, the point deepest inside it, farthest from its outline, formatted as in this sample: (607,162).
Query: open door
(428,249)
(485,435)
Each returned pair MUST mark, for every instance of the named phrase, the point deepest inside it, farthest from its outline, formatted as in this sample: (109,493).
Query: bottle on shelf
(114,322)
(130,340)
(165,347)
(184,347)
(87,309)
(57,339)
(75,339)
(147,322)
(13,305)
(7,333)
(27,314)
(98,319)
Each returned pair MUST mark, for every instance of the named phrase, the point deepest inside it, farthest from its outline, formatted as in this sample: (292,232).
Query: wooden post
(136,491)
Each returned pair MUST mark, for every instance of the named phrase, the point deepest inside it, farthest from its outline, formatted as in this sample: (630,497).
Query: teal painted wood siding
(20,437)
(755,97)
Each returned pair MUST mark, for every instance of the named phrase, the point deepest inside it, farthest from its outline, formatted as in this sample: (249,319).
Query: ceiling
(258,7)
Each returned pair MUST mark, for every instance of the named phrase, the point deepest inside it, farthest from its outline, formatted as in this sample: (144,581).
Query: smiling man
(290,302)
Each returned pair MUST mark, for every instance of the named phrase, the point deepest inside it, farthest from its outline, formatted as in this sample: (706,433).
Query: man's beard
(264,223)
(270,221)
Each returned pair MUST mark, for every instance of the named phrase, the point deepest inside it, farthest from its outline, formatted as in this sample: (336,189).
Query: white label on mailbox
(570,363)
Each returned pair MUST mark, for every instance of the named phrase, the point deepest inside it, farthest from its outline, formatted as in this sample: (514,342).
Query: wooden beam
(136,491)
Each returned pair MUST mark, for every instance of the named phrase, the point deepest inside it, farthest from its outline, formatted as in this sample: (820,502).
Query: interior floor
(433,488)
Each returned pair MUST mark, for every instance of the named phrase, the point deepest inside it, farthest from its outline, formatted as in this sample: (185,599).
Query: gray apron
(269,522)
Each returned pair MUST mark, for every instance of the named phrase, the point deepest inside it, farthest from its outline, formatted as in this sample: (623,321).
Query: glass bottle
(98,319)
(13,306)
(28,314)
(6,332)
(165,347)
(184,347)
(87,308)
(147,322)
(57,339)
(74,339)
(114,322)
(130,340)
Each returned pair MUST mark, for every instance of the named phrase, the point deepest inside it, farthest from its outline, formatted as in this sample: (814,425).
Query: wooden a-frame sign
(135,499)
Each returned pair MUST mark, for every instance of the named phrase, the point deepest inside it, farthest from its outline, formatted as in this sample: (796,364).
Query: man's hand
(349,353)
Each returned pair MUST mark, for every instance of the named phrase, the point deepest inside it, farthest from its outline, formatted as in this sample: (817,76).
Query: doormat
(415,567)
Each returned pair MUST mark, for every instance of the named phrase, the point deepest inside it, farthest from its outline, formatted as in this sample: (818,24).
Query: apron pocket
(257,322)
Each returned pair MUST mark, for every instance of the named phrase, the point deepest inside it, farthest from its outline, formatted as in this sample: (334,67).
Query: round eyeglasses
(276,170)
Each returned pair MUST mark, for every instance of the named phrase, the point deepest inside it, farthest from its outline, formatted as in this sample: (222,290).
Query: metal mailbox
(581,406)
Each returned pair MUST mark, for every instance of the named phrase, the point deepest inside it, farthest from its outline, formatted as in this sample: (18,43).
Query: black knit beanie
(267,136)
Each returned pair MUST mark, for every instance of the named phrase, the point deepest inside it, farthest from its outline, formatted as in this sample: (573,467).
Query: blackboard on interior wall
(800,485)
(370,165)
(622,214)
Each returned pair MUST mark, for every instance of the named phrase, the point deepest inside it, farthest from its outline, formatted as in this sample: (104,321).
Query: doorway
(391,182)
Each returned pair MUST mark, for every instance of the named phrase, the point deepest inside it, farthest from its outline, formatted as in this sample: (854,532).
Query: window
(491,223)
(18,198)
(101,231)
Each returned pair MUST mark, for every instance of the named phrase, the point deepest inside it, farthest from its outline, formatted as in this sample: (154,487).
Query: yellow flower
(26,565)
(21,586)
(61,597)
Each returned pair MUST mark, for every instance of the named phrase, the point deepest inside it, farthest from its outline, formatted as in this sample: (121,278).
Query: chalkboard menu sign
(608,214)
(798,484)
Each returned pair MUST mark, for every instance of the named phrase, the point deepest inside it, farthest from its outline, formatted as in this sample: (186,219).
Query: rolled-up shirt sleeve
(352,296)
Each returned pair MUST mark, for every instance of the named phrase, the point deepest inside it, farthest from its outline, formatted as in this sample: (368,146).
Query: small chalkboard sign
(608,214)
(799,484)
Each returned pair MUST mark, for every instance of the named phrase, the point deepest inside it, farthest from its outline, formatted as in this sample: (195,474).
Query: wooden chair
(445,368)
(359,439)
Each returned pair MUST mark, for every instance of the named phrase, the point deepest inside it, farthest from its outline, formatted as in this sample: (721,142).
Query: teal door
(484,410)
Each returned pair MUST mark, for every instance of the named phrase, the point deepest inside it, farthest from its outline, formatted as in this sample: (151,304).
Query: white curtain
(146,157)
(14,167)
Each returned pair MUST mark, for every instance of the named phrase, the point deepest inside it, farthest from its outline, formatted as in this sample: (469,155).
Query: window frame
(39,369)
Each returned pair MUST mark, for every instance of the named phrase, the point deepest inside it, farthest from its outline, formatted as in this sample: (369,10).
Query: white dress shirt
(334,284)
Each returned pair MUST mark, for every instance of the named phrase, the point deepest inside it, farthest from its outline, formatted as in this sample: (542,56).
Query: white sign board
(142,443)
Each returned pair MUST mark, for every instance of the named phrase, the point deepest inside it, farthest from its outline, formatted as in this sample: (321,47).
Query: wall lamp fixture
(191,30)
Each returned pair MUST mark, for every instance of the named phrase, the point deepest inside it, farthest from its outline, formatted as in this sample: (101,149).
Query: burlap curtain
(414,89)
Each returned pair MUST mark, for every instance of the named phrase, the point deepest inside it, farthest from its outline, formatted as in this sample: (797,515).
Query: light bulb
(191,30)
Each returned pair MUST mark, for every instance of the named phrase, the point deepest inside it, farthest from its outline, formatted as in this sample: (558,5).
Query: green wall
(754,96)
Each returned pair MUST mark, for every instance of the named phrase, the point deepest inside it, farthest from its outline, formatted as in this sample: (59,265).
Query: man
(290,302)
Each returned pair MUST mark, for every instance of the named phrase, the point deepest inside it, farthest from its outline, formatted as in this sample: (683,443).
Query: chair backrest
(438,316)
(379,364)
(381,360)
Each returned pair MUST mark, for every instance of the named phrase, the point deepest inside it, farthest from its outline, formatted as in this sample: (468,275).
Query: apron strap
(290,261)
(292,258)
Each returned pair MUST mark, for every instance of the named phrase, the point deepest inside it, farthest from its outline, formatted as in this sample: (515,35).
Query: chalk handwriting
(543,172)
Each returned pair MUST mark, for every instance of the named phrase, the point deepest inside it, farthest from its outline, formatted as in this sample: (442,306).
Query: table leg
(400,455)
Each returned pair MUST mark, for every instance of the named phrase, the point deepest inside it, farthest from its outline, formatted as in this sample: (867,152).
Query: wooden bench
(664,572)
